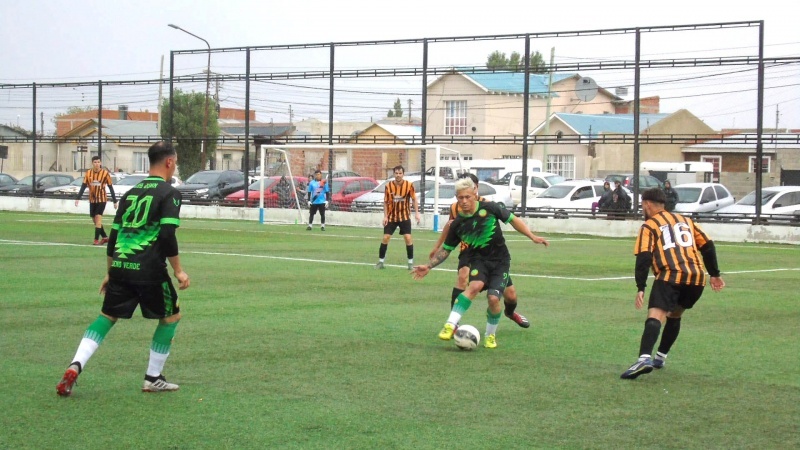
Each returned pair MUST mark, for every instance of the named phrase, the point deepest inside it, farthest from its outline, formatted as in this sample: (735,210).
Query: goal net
(283,173)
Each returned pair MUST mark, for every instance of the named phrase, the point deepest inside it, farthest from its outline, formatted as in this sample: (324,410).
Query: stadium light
(204,144)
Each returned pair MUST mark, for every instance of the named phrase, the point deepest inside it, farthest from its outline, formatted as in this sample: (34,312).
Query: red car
(277,193)
(345,189)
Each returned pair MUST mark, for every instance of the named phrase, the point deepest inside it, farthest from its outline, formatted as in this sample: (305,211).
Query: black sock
(382,251)
(670,334)
(96,233)
(652,328)
(410,251)
(103,232)
(454,296)
(510,307)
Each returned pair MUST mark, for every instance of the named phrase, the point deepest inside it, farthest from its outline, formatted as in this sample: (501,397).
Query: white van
(537,183)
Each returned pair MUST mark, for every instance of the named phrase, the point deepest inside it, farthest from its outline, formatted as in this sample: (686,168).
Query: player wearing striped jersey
(142,237)
(478,225)
(509,293)
(96,179)
(671,245)
(397,201)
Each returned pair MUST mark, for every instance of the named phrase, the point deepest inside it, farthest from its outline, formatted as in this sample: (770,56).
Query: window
(788,199)
(455,117)
(764,164)
(226,161)
(721,192)
(563,165)
(716,162)
(708,196)
(82,161)
(140,162)
(537,182)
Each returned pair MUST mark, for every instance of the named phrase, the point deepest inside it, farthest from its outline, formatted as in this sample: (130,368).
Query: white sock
(644,357)
(491,328)
(411,261)
(454,318)
(661,356)
(380,259)
(85,351)
(156,363)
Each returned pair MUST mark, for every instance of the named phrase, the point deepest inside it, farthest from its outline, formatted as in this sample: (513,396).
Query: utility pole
(409,110)
(160,94)
(547,110)
(291,116)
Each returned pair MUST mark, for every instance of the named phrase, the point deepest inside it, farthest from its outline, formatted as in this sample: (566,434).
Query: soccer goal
(293,164)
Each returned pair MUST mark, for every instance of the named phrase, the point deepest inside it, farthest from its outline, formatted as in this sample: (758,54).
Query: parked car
(776,200)
(447,196)
(373,201)
(345,190)
(271,190)
(211,185)
(43,181)
(72,189)
(6,179)
(537,183)
(340,174)
(126,184)
(702,197)
(645,181)
(566,196)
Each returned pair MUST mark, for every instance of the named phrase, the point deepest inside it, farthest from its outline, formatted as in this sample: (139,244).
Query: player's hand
(385,221)
(639,299)
(540,240)
(103,285)
(183,279)
(418,217)
(116,204)
(309,203)
(717,283)
(419,272)
(76,202)
(326,205)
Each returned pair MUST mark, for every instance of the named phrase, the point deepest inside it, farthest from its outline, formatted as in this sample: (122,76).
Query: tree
(397,109)
(497,61)
(188,131)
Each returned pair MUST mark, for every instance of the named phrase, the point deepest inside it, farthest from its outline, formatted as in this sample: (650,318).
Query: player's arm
(709,253)
(80,192)
(521,227)
(440,241)
(419,272)
(169,242)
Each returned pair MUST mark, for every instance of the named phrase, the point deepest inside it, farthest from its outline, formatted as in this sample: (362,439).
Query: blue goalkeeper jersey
(318,189)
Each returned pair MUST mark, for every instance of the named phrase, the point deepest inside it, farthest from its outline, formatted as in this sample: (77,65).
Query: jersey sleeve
(644,241)
(171,208)
(502,214)
(452,240)
(453,211)
(700,237)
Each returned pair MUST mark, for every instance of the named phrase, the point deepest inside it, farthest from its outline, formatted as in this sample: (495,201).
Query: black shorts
(666,296)
(493,274)
(405,227)
(96,209)
(157,300)
(463,261)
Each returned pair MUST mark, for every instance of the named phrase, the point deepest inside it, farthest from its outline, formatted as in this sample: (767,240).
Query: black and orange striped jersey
(454,210)
(96,181)
(397,200)
(675,242)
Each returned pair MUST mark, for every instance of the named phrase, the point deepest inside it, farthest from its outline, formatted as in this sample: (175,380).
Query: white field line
(330,261)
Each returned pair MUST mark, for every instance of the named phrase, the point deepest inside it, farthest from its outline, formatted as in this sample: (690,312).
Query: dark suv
(211,185)
(645,181)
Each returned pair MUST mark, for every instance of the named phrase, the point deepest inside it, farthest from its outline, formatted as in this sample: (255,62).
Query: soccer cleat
(490,341)
(64,387)
(104,241)
(659,361)
(323,228)
(447,332)
(158,384)
(410,266)
(641,367)
(308,228)
(96,242)
(379,265)
(519,319)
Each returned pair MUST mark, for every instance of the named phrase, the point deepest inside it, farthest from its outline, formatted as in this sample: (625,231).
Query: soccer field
(290,339)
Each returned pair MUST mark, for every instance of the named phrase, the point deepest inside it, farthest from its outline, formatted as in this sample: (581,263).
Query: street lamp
(204,144)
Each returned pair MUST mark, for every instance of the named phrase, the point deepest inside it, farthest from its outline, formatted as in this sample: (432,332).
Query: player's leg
(160,301)
(119,302)
(462,278)
(405,230)
(510,303)
(663,298)
(464,300)
(312,210)
(688,297)
(497,278)
(322,216)
(388,231)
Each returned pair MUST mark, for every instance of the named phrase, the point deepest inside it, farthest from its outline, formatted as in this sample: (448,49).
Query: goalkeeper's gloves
(309,203)
(326,203)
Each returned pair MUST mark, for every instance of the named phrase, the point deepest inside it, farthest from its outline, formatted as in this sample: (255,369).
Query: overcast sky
(50,41)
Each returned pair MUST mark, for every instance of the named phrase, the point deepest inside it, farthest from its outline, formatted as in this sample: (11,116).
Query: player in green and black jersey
(478,225)
(142,237)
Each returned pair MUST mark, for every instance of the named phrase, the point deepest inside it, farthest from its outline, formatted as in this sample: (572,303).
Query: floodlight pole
(204,143)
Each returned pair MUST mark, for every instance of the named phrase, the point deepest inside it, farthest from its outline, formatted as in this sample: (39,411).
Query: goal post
(377,159)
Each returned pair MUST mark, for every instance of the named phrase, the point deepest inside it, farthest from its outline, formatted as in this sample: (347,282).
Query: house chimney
(123,112)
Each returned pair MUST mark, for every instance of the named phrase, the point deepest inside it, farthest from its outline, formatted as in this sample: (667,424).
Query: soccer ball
(467,337)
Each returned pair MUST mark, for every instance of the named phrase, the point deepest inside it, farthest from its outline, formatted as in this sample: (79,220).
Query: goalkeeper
(319,195)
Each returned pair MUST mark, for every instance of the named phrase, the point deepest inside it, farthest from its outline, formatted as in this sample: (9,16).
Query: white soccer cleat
(158,384)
